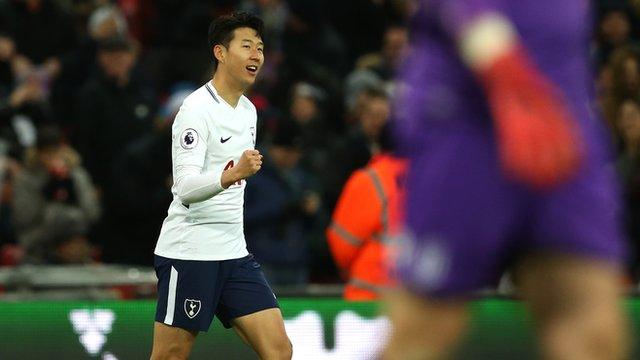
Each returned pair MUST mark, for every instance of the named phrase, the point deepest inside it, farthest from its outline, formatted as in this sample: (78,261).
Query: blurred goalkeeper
(508,166)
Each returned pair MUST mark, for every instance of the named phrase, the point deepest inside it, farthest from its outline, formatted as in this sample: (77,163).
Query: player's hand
(249,164)
(539,142)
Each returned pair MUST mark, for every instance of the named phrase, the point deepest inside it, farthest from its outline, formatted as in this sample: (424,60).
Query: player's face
(245,56)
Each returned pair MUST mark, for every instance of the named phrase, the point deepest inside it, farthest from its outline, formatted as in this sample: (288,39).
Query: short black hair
(221,29)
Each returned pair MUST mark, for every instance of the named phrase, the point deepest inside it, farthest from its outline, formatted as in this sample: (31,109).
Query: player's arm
(189,147)
(194,186)
(355,219)
(538,141)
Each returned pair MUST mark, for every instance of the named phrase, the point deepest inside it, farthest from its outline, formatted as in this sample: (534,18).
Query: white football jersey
(211,134)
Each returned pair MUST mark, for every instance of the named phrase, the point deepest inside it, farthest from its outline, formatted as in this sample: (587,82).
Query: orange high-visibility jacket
(368,212)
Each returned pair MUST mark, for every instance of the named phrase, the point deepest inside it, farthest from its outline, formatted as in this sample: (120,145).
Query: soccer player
(508,164)
(202,262)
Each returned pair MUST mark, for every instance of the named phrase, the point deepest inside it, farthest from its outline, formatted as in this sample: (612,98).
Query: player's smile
(252,69)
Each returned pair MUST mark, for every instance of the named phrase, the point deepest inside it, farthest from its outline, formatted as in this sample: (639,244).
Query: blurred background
(89,90)
(88,93)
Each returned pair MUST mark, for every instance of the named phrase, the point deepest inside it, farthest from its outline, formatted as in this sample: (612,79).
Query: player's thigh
(245,291)
(560,286)
(171,342)
(263,330)
(248,304)
(582,217)
(433,325)
(577,306)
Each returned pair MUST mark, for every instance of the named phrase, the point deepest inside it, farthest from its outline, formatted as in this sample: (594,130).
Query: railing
(113,282)
(106,282)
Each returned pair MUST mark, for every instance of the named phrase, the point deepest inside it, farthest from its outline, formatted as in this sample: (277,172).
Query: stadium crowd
(89,89)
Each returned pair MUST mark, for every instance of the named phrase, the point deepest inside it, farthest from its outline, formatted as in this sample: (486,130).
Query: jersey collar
(214,93)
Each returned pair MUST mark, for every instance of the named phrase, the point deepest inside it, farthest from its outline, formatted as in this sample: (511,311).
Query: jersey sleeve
(189,138)
(189,145)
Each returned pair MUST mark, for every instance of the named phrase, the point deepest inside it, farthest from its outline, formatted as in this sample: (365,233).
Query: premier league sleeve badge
(189,139)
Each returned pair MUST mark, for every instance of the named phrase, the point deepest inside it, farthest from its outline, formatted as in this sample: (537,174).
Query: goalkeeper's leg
(422,328)
(578,307)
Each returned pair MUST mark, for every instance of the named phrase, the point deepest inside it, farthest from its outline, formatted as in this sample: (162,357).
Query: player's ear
(220,52)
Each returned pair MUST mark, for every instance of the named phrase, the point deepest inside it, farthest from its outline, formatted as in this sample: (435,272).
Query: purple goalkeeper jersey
(465,220)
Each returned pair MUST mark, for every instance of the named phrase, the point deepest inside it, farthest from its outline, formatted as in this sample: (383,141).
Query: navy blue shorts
(191,292)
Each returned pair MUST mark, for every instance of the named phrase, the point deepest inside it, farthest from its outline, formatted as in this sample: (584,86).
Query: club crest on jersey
(192,307)
(189,139)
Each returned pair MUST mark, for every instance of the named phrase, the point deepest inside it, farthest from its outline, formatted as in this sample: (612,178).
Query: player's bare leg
(423,329)
(577,305)
(171,343)
(264,332)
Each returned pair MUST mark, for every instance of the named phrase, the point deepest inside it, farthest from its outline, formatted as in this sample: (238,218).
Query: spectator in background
(313,51)
(35,35)
(280,210)
(41,29)
(24,109)
(54,203)
(624,83)
(354,150)
(114,108)
(616,23)
(377,69)
(367,215)
(363,33)
(105,22)
(27,69)
(628,166)
(139,200)
(9,168)
(304,110)
(7,55)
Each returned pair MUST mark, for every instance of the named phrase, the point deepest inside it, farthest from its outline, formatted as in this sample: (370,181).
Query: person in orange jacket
(367,214)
